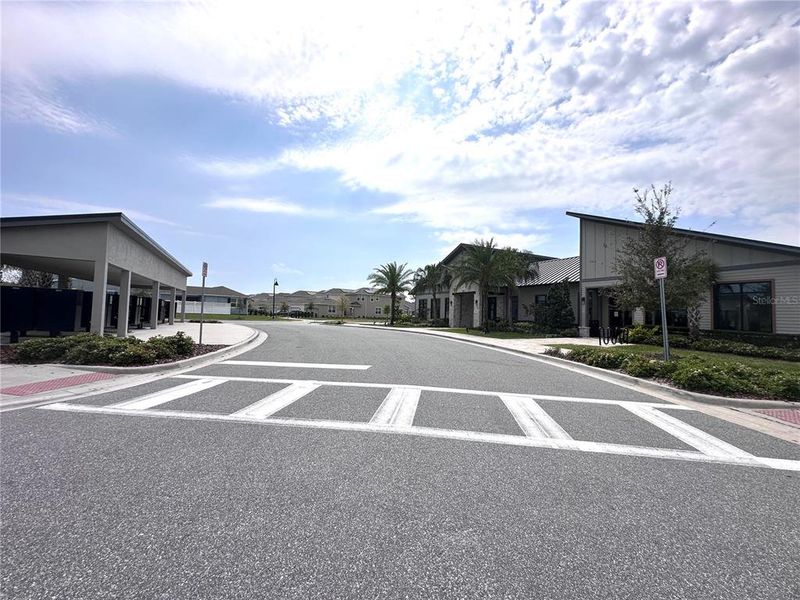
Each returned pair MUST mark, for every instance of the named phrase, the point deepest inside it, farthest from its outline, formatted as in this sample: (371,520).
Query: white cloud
(44,205)
(267,205)
(24,102)
(282,268)
(471,117)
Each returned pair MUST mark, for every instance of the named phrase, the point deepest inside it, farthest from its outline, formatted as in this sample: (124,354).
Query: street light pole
(274,285)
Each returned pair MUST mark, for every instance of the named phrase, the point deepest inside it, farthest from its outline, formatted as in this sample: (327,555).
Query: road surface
(335,462)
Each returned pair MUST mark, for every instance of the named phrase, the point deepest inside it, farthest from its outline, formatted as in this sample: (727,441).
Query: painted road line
(706,443)
(173,393)
(470,436)
(266,407)
(428,388)
(292,365)
(532,418)
(398,408)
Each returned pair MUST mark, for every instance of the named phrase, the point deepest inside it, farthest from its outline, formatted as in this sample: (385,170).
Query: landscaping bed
(708,372)
(92,349)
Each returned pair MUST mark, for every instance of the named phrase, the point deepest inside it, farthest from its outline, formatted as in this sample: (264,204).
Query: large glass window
(743,306)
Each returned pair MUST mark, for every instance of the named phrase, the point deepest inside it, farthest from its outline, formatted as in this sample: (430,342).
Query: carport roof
(117,219)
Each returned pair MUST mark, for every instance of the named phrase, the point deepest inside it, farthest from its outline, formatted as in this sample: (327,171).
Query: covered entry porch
(105,249)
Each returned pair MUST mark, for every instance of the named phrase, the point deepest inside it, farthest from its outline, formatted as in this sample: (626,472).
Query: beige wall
(601,242)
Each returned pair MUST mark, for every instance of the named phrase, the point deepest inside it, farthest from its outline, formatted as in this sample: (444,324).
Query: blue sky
(313,142)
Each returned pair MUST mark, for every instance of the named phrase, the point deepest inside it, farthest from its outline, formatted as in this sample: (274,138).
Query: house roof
(462,246)
(728,239)
(556,271)
(220,290)
(117,219)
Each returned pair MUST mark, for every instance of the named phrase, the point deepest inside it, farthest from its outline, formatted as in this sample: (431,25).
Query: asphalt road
(307,498)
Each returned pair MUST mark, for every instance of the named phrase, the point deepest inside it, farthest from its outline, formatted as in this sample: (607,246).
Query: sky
(311,142)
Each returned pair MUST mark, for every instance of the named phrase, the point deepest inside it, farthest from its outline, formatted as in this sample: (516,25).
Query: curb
(180,364)
(629,380)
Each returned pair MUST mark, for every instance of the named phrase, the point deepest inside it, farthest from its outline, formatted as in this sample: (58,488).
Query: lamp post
(274,285)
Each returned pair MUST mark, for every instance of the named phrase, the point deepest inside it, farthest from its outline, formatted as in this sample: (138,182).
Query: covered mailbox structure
(105,248)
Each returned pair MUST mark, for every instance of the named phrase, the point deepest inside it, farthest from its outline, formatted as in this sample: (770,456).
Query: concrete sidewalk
(527,345)
(215,334)
(21,384)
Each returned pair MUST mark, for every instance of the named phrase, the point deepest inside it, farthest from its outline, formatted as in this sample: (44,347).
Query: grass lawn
(717,358)
(498,335)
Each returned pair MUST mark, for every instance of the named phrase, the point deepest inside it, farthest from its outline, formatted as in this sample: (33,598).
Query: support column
(183,306)
(154,305)
(124,303)
(99,296)
(173,306)
(583,329)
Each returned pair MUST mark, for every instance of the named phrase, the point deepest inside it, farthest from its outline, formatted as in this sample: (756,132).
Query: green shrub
(569,332)
(138,354)
(47,349)
(169,347)
(91,349)
(639,334)
(597,358)
(552,351)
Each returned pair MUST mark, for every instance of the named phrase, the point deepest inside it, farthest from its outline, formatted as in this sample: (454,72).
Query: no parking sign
(661,267)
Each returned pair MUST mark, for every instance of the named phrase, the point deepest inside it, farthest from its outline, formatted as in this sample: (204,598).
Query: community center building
(129,272)
(757,287)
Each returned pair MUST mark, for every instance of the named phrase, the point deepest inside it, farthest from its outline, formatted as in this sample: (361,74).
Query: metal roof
(556,271)
(117,219)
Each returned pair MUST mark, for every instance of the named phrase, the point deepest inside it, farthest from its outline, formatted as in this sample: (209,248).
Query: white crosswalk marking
(532,418)
(168,395)
(268,406)
(398,408)
(294,365)
(397,411)
(707,444)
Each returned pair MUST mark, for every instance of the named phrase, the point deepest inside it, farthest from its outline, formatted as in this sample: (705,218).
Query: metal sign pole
(203,301)
(664,331)
(660,265)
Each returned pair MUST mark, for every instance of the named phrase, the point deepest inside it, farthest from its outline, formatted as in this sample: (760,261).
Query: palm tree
(391,279)
(487,266)
(431,277)
(310,308)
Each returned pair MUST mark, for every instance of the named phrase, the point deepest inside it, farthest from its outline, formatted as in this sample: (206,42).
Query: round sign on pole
(660,265)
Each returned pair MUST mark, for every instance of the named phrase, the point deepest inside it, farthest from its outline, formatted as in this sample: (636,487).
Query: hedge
(92,349)
(693,373)
(639,334)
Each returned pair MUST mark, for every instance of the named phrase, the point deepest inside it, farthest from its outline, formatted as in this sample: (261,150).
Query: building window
(331,309)
(743,306)
(378,311)
(422,310)
(540,299)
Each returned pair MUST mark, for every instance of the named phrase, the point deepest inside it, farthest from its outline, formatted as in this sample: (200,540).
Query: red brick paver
(791,415)
(54,384)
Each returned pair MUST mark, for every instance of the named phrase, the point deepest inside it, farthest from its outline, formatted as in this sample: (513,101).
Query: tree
(488,267)
(9,273)
(32,278)
(310,308)
(431,277)
(343,305)
(284,308)
(691,274)
(391,279)
(558,313)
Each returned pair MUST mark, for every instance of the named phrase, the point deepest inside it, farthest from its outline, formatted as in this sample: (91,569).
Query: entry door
(492,306)
(515,308)
(465,309)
